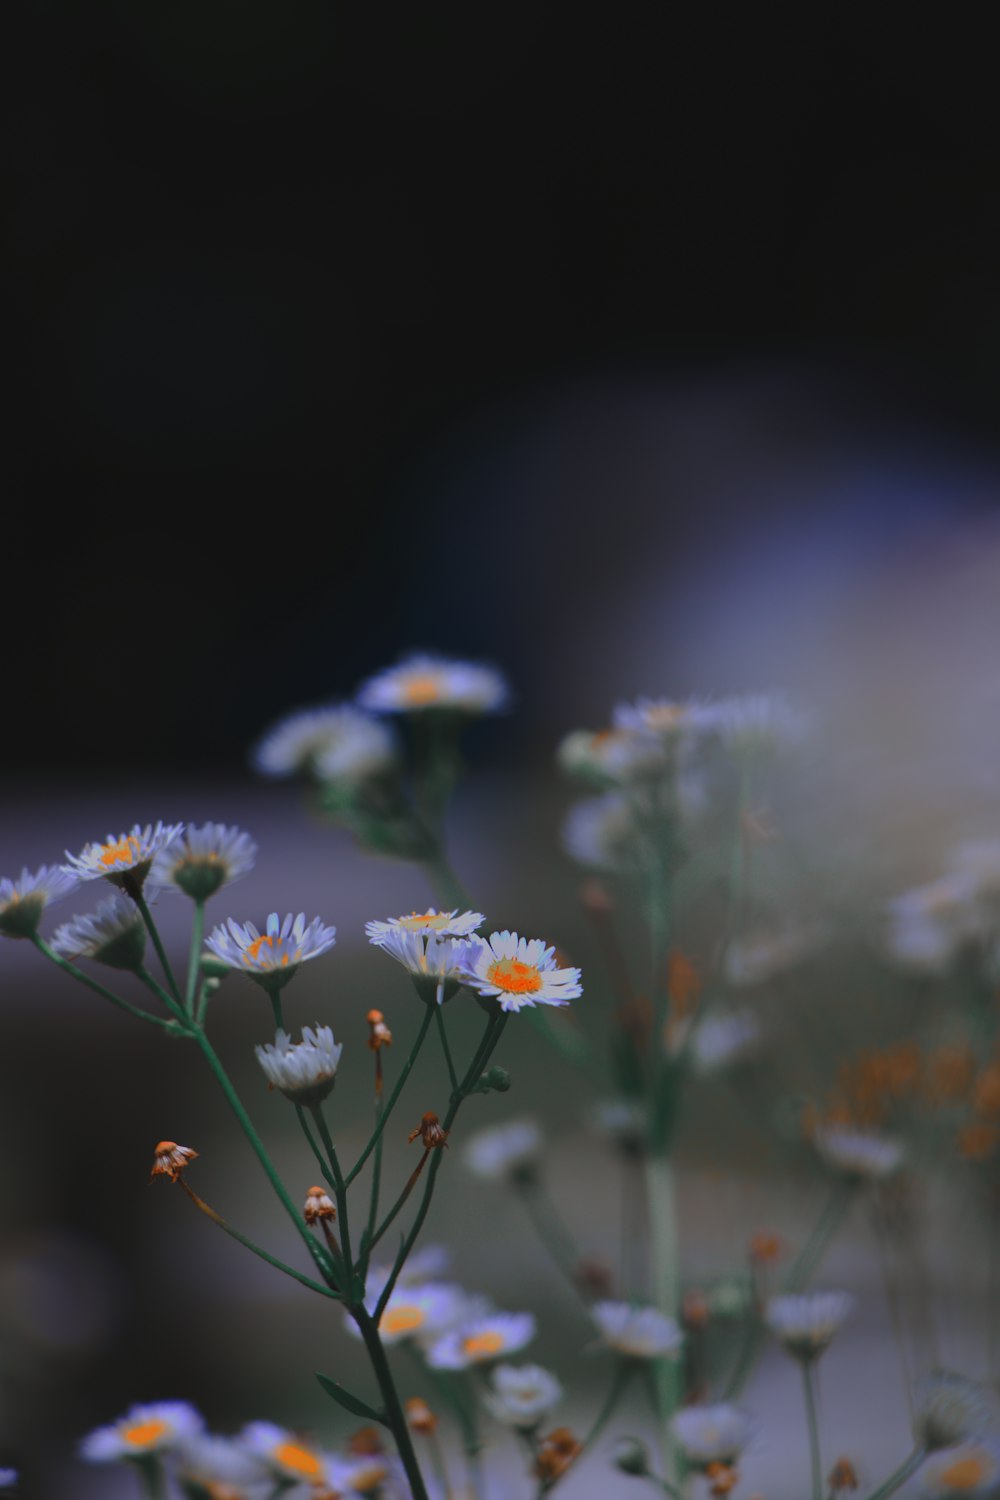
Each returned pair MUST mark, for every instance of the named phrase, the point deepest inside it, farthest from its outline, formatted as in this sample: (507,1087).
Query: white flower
(638,1332)
(927,926)
(23,900)
(601,832)
(752,723)
(284,1456)
(712,1434)
(857,1153)
(482,1340)
(422,682)
(968,1471)
(617,757)
(305,1071)
(114,935)
(671,720)
(438,965)
(202,860)
(417,1312)
(157,1428)
(950,1409)
(429,923)
(522,1395)
(206,1460)
(336,743)
(125,860)
(503,1151)
(271,957)
(520,971)
(806,1322)
(720,1041)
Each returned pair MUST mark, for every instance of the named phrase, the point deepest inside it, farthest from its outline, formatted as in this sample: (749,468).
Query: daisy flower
(422,1266)
(114,935)
(503,1152)
(637,1332)
(336,743)
(23,900)
(429,923)
(144,1430)
(712,1434)
(272,957)
(283,1455)
(482,1340)
(437,965)
(927,926)
(305,1071)
(951,1409)
(422,682)
(670,719)
(521,1395)
(601,832)
(967,1471)
(805,1323)
(858,1153)
(619,757)
(417,1312)
(125,860)
(202,860)
(520,971)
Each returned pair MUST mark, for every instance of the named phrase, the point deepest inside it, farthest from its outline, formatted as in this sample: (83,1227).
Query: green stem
(665,1258)
(161,953)
(197,933)
(272,1260)
(339,1185)
(442,1033)
(899,1476)
(397,1090)
(155,988)
(809,1389)
(92,984)
(394,1414)
(324,1165)
(373,1198)
(815,1247)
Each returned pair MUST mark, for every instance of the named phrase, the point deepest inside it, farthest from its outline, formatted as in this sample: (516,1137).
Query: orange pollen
(299,1460)
(254,949)
(421,688)
(144,1434)
(964,1473)
(516,978)
(402,1319)
(417,919)
(483,1344)
(124,852)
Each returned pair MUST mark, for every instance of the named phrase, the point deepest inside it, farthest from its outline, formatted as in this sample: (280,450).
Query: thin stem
(665,1260)
(623,1375)
(892,1299)
(92,984)
(397,1090)
(809,1389)
(324,1165)
(442,1033)
(815,1247)
(550,1229)
(154,1480)
(899,1476)
(155,988)
(400,1202)
(375,1186)
(339,1185)
(272,1260)
(197,932)
(161,952)
(394,1414)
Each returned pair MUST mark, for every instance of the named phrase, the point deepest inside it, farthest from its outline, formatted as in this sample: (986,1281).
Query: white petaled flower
(721,1041)
(202,860)
(503,1151)
(671,719)
(858,1153)
(619,757)
(217,1461)
(416,1312)
(336,743)
(114,935)
(438,965)
(520,971)
(805,1323)
(127,859)
(23,900)
(521,1395)
(712,1434)
(927,926)
(283,1455)
(429,923)
(601,832)
(482,1340)
(951,1409)
(420,1267)
(143,1430)
(637,1332)
(305,1071)
(422,682)
(273,956)
(754,723)
(967,1471)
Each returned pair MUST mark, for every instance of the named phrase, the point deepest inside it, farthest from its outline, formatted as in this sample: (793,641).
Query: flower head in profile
(334,743)
(23,900)
(430,923)
(522,1395)
(113,935)
(967,1471)
(271,957)
(170,1161)
(926,927)
(951,1409)
(504,1152)
(482,1341)
(637,1332)
(423,682)
(127,859)
(283,1455)
(144,1430)
(723,1040)
(671,719)
(520,971)
(858,1153)
(805,1323)
(305,1071)
(711,1434)
(202,860)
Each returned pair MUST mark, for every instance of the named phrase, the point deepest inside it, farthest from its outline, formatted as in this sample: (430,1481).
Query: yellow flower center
(422,688)
(964,1473)
(415,921)
(516,978)
(144,1434)
(299,1460)
(482,1345)
(253,951)
(123,852)
(404,1319)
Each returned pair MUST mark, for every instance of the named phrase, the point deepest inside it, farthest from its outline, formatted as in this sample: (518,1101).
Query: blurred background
(645,354)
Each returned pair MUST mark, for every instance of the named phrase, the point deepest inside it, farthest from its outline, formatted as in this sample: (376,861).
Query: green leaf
(349,1402)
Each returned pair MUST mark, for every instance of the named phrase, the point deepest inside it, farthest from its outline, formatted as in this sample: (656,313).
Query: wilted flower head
(202,860)
(967,1471)
(638,1332)
(858,1153)
(23,900)
(950,1409)
(712,1433)
(521,1395)
(143,1430)
(113,935)
(272,957)
(334,743)
(503,1151)
(482,1341)
(305,1071)
(318,1206)
(422,682)
(125,860)
(519,971)
(170,1160)
(805,1323)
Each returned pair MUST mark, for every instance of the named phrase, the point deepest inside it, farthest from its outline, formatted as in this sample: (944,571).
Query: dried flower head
(766,1248)
(318,1205)
(843,1476)
(555,1453)
(169,1160)
(430,1132)
(379,1034)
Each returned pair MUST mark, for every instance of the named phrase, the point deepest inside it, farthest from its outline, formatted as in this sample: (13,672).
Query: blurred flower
(482,1340)
(422,682)
(125,860)
(950,1409)
(519,972)
(613,757)
(967,1471)
(419,1415)
(284,1457)
(8,1479)
(521,1395)
(758,723)
(978,1141)
(23,900)
(335,743)
(927,926)
(950,1071)
(638,1332)
(202,860)
(625,1122)
(720,1041)
(601,832)
(421,1312)
(555,1452)
(143,1430)
(271,958)
(170,1160)
(305,1071)
(711,1434)
(857,1153)
(843,1476)
(113,935)
(217,1465)
(503,1151)
(671,720)
(805,1323)
(631,1457)
(760,956)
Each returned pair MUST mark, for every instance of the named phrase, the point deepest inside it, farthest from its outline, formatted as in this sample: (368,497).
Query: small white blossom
(712,1434)
(429,923)
(624,1122)
(614,757)
(202,860)
(637,1332)
(158,1428)
(271,957)
(926,927)
(951,1409)
(423,682)
(206,1460)
(502,1151)
(720,1041)
(601,832)
(521,1395)
(482,1340)
(305,1071)
(335,743)
(114,935)
(127,859)
(672,720)
(283,1455)
(519,972)
(967,1471)
(23,900)
(755,723)
(806,1322)
(420,1312)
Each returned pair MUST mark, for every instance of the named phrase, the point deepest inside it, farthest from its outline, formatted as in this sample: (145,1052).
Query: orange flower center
(144,1434)
(254,949)
(964,1473)
(415,921)
(402,1319)
(481,1345)
(124,852)
(299,1460)
(422,688)
(516,978)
